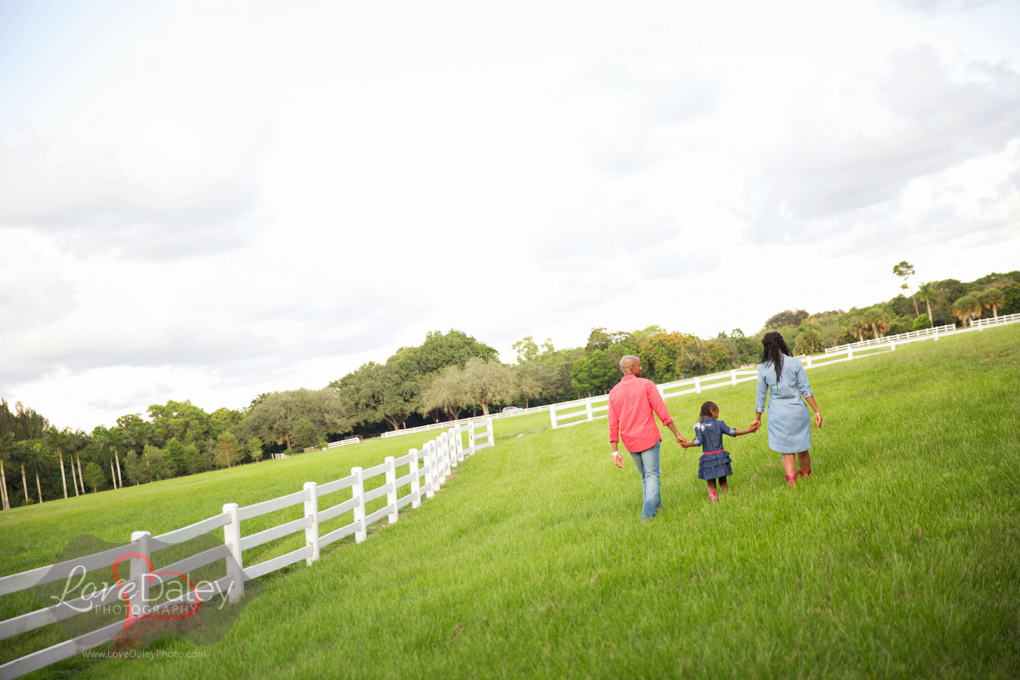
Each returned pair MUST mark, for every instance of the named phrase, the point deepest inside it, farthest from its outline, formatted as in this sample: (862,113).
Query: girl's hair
(706,410)
(773,349)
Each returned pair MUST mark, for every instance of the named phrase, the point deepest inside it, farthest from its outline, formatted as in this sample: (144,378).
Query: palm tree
(34,455)
(855,327)
(115,439)
(56,441)
(992,299)
(966,308)
(877,319)
(6,451)
(928,294)
(80,440)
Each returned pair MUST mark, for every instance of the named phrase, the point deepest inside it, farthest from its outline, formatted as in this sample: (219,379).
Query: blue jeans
(647,463)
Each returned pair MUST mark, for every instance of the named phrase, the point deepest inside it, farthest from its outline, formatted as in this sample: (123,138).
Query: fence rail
(428,469)
(899,337)
(585,410)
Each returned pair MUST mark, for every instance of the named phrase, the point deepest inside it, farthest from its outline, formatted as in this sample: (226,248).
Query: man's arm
(659,406)
(614,432)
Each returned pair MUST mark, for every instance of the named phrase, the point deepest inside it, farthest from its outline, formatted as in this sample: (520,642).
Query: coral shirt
(631,406)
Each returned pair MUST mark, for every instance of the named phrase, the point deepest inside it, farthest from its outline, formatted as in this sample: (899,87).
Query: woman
(789,420)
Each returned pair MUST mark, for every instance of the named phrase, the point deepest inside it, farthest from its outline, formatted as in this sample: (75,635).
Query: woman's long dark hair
(773,349)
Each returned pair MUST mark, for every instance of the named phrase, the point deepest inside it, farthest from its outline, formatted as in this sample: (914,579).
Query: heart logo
(130,619)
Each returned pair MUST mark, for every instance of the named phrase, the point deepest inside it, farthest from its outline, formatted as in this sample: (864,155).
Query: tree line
(450,375)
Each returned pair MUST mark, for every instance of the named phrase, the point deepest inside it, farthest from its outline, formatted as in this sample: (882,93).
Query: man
(633,405)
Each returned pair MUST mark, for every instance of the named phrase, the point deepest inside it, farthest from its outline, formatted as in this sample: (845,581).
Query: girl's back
(709,434)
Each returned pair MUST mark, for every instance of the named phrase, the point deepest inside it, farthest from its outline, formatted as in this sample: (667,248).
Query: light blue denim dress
(789,420)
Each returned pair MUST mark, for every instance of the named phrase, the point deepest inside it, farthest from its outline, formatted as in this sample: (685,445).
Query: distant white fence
(899,337)
(584,410)
(463,421)
(428,469)
(344,442)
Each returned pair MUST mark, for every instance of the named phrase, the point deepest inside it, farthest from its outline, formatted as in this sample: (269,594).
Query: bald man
(633,405)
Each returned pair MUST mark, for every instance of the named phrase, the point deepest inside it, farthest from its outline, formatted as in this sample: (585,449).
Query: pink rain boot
(791,479)
(712,495)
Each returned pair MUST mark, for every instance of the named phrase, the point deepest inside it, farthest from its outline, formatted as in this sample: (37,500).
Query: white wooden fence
(584,410)
(428,470)
(899,337)
(462,422)
(344,442)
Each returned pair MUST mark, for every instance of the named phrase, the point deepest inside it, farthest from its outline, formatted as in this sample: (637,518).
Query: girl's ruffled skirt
(714,465)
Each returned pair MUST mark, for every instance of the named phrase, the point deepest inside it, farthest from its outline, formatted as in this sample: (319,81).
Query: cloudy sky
(211,200)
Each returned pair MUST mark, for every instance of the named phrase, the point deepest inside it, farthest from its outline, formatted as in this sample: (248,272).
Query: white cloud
(249,197)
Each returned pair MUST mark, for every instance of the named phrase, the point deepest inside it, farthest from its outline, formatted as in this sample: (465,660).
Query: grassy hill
(900,557)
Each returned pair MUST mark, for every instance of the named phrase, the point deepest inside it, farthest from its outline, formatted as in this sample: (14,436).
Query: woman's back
(793,383)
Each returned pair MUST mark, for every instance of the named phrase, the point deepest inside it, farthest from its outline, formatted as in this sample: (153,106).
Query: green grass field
(900,557)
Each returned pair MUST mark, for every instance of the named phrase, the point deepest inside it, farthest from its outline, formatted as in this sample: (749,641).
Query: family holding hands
(634,403)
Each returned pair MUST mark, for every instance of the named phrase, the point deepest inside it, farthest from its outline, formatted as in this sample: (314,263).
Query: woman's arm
(817,410)
(759,402)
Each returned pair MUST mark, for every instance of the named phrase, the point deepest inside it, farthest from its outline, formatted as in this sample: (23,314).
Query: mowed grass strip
(898,558)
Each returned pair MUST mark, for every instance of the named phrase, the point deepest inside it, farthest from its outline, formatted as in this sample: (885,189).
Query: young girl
(715,460)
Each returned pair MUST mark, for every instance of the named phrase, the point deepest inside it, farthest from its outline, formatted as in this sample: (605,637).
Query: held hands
(617,459)
(681,441)
(754,426)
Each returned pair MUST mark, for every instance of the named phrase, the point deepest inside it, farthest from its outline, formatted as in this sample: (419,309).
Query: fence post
(448,453)
(235,566)
(459,439)
(312,532)
(552,417)
(451,448)
(491,439)
(471,435)
(981,326)
(892,346)
(697,385)
(430,470)
(849,352)
(139,602)
(415,483)
(391,495)
(441,459)
(733,373)
(808,365)
(587,408)
(358,491)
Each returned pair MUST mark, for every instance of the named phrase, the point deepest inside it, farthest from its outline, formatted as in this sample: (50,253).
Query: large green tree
(791,317)
(438,351)
(488,382)
(273,420)
(95,477)
(180,419)
(594,373)
(446,393)
(380,392)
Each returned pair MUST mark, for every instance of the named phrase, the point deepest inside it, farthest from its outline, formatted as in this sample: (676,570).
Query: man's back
(633,404)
